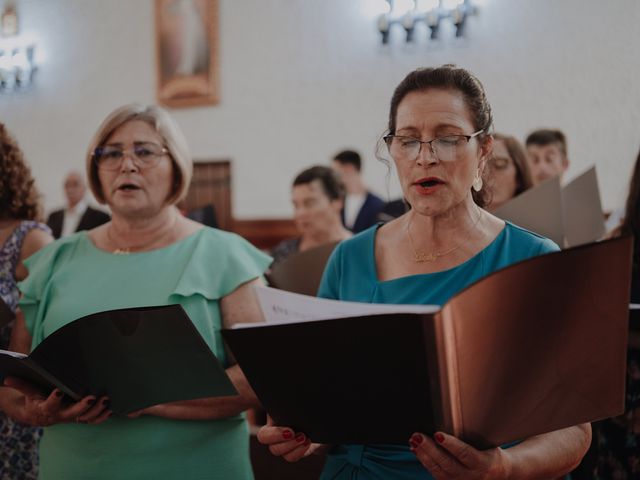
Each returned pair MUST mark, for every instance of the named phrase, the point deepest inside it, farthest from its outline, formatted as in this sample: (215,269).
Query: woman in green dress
(440,140)
(149,254)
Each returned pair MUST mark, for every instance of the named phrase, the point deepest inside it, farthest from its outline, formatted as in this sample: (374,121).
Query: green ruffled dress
(71,278)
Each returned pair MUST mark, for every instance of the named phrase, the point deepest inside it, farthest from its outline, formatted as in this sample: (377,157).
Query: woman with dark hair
(20,235)
(619,437)
(317,196)
(439,139)
(508,171)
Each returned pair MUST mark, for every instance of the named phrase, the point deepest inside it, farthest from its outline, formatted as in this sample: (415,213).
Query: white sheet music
(13,354)
(279,307)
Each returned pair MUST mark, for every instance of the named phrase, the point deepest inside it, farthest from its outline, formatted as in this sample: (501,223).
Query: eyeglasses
(143,155)
(445,148)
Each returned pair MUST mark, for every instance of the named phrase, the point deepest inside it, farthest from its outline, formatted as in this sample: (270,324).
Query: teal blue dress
(351,275)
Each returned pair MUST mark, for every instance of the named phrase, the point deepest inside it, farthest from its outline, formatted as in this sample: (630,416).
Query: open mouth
(128,187)
(429,182)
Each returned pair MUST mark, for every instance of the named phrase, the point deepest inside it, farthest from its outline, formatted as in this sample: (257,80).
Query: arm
(25,403)
(241,305)
(34,240)
(545,456)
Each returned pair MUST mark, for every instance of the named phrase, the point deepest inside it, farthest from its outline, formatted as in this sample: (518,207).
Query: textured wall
(301,79)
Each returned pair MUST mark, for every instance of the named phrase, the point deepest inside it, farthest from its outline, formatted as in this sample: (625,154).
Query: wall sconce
(408,13)
(17,55)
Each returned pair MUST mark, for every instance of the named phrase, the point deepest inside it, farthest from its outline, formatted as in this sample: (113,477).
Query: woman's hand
(37,410)
(448,458)
(284,442)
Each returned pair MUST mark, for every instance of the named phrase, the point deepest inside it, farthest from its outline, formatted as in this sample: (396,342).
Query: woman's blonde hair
(172,138)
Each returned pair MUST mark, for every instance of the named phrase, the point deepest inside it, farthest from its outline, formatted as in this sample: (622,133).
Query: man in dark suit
(78,215)
(361,207)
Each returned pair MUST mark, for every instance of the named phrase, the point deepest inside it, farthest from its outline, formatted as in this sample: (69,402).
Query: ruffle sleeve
(220,263)
(41,266)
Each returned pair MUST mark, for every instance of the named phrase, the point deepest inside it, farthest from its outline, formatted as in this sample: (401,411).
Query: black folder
(535,347)
(138,357)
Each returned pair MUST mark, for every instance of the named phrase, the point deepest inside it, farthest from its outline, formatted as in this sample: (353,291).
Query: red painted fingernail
(59,393)
(413,445)
(417,439)
(287,434)
(439,437)
(300,438)
(91,401)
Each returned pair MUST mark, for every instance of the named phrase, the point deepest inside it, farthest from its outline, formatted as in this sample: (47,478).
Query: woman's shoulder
(35,239)
(224,259)
(519,241)
(30,225)
(222,239)
(359,242)
(56,250)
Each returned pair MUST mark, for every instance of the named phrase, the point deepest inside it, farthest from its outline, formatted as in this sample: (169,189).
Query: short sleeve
(330,283)
(220,263)
(40,266)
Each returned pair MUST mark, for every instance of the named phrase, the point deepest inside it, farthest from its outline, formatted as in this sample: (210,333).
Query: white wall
(301,79)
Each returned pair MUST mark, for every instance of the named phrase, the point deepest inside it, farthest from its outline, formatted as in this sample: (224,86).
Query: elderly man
(77,215)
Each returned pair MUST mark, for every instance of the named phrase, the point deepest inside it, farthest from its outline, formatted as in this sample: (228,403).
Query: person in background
(509,173)
(317,196)
(547,154)
(21,235)
(361,207)
(138,164)
(618,455)
(77,215)
(439,139)
(393,209)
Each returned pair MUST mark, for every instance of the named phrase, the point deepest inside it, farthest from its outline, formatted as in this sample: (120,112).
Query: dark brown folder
(301,272)
(535,347)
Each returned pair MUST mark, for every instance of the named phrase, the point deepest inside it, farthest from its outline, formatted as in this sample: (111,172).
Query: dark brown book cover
(302,271)
(535,347)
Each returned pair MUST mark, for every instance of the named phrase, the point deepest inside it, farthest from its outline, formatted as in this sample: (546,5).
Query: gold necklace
(128,250)
(118,250)
(420,257)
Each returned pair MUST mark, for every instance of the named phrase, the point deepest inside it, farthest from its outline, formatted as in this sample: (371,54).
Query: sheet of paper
(279,307)
(12,354)
(583,217)
(538,209)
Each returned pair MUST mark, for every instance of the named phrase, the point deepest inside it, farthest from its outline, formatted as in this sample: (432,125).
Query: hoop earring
(477,183)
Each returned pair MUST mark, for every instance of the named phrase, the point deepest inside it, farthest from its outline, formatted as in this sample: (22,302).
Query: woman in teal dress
(439,139)
(148,254)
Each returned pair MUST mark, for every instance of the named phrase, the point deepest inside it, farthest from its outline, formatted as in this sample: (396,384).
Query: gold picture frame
(187,52)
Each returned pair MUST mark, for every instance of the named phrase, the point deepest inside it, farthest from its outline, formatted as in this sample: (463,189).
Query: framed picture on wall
(187,51)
